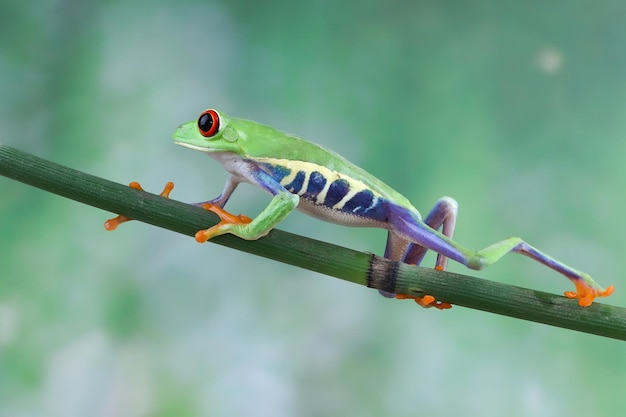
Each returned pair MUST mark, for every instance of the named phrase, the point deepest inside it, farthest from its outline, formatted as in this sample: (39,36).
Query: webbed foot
(226,219)
(112,224)
(586,294)
(426,301)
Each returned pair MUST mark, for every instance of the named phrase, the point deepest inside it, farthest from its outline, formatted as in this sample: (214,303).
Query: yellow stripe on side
(330,175)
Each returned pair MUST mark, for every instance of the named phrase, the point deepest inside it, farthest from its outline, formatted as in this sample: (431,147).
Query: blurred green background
(514,108)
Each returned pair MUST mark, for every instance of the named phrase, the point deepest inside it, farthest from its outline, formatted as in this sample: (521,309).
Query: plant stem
(358,267)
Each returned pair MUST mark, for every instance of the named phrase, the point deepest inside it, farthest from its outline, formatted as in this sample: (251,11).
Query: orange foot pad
(426,301)
(225,218)
(585,294)
(112,224)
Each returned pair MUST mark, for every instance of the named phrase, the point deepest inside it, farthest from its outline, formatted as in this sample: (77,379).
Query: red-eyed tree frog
(305,176)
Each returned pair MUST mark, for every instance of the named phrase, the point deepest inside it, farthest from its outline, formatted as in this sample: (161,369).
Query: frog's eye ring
(209,123)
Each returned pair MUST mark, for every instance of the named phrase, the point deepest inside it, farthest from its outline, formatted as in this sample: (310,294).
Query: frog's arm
(221,200)
(242,226)
(281,205)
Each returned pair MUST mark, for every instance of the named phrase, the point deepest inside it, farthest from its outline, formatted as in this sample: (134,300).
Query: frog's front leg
(442,215)
(281,205)
(220,201)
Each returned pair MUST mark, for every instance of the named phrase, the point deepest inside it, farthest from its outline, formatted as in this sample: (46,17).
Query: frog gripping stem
(113,223)
(585,293)
(302,175)
(226,218)
(426,301)
(202,236)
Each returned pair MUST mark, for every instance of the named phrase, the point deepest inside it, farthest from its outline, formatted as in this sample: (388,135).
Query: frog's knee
(476,262)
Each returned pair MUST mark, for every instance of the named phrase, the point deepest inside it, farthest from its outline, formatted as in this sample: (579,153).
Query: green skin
(290,168)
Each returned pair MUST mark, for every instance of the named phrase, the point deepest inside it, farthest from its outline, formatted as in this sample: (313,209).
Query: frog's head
(212,132)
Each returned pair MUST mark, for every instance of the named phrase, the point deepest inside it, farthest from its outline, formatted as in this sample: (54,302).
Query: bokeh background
(514,108)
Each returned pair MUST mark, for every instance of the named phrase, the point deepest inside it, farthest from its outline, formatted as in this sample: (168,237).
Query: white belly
(328,214)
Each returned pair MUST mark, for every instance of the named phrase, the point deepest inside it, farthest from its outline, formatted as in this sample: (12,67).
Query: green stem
(358,267)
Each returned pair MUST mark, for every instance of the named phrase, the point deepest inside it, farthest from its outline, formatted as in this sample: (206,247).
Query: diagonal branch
(358,267)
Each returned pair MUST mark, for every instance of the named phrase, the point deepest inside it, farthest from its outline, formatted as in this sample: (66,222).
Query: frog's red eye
(209,123)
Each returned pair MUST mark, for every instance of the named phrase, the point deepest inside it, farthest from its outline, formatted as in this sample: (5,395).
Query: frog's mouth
(195,147)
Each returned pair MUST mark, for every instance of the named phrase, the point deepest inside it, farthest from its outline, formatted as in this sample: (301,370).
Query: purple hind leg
(415,236)
(443,214)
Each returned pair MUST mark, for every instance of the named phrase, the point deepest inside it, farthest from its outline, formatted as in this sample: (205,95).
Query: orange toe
(586,294)
(225,216)
(225,219)
(112,224)
(169,186)
(203,235)
(426,301)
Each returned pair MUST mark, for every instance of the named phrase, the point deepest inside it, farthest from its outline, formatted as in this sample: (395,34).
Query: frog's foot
(112,224)
(586,294)
(226,218)
(426,301)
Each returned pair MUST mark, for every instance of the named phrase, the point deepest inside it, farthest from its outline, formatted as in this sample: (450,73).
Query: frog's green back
(261,141)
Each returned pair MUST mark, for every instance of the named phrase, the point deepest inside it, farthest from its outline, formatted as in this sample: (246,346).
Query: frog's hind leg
(586,288)
(422,235)
(443,215)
